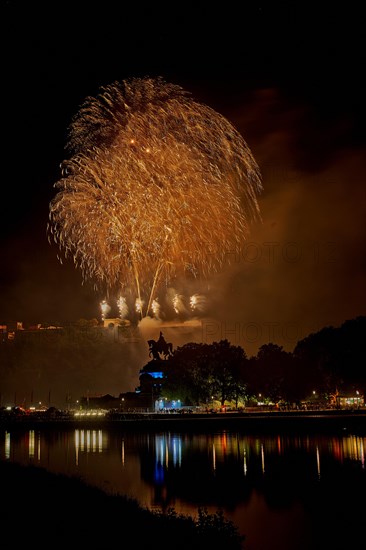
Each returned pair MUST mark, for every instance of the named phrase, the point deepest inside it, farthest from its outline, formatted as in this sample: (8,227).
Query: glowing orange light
(131,220)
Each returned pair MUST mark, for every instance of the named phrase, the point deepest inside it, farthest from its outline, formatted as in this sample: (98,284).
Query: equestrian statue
(160,348)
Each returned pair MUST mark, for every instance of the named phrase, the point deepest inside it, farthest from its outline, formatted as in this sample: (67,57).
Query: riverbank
(69,511)
(327,421)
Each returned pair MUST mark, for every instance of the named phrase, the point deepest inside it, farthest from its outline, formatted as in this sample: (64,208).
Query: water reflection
(174,450)
(280,481)
(318,460)
(7,445)
(89,441)
(31,444)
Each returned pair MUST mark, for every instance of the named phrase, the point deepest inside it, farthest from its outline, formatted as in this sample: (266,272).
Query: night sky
(290,78)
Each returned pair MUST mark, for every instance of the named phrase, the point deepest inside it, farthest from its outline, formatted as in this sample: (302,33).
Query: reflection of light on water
(7,445)
(362,454)
(224,443)
(279,445)
(168,452)
(177,451)
(160,450)
(159,460)
(353,448)
(31,444)
(39,447)
(318,460)
(77,446)
(93,439)
(222,449)
(257,446)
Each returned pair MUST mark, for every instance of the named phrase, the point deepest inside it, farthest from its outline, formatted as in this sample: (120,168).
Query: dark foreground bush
(39,507)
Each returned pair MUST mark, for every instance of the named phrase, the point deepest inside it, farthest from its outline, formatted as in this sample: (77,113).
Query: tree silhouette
(202,371)
(334,358)
(187,374)
(227,371)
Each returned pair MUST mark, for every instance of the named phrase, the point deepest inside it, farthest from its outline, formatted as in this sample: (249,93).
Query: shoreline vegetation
(72,511)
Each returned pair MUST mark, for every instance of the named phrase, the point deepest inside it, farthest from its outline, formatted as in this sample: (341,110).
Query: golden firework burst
(157,185)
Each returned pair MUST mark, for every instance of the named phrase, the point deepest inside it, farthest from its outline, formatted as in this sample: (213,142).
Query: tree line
(321,366)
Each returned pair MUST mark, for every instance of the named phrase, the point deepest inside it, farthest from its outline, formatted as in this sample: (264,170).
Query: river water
(283,492)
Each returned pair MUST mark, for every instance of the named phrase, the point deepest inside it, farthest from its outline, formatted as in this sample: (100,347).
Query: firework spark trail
(122,307)
(158,186)
(105,309)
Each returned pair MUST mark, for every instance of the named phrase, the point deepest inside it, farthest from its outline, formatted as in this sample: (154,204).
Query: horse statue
(160,347)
